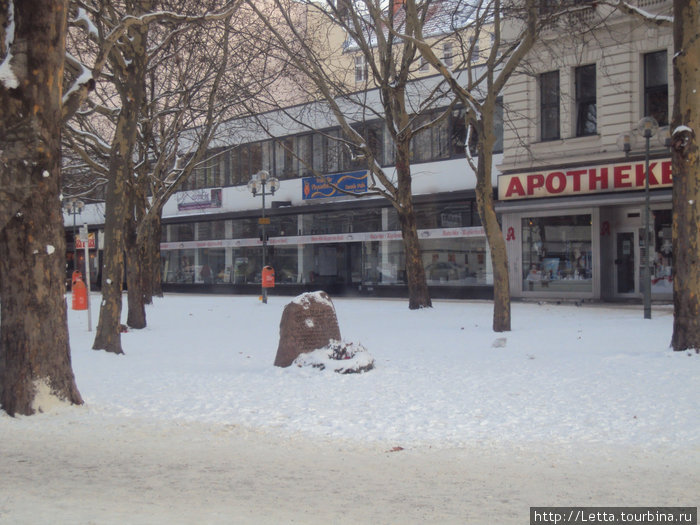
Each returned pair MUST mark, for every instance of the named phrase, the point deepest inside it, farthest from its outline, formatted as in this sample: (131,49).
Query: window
(447,54)
(305,154)
(284,158)
(474,45)
(549,105)
(423,64)
(656,87)
(557,254)
(360,69)
(498,126)
(586,101)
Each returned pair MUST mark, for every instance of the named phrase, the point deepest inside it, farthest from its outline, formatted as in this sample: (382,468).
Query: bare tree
(372,74)
(478,84)
(35,365)
(120,50)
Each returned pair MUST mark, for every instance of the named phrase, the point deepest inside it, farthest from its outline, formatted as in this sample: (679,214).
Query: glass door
(625,263)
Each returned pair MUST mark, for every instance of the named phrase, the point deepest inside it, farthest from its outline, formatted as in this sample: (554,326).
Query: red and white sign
(624,176)
(80,244)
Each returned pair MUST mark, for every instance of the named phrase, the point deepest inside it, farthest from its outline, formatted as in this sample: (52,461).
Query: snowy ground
(576,406)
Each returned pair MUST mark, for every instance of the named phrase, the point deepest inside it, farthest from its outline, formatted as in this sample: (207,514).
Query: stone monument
(308,323)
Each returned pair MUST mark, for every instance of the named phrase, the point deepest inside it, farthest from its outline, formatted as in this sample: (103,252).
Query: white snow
(50,249)
(682,129)
(583,405)
(7,76)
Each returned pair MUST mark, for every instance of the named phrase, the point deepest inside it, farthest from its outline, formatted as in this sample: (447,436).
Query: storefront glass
(557,254)
(451,258)
(662,269)
(178,266)
(450,262)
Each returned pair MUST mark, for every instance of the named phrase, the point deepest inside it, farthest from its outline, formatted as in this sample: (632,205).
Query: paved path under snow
(61,469)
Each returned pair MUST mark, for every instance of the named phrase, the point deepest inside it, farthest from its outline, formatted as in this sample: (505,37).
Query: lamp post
(258,185)
(647,127)
(74,207)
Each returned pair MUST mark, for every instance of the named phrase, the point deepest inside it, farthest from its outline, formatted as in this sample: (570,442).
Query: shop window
(656,87)
(586,118)
(285,261)
(178,266)
(549,106)
(210,267)
(662,269)
(455,262)
(557,254)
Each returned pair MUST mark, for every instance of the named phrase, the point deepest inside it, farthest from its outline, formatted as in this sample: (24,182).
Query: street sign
(264,220)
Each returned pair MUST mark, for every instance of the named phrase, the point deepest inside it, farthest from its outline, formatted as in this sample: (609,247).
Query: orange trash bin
(79,295)
(268,277)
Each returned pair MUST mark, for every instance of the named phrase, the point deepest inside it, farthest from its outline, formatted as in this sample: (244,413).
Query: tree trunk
(153,247)
(418,294)
(489,219)
(499,258)
(686,177)
(35,364)
(117,199)
(136,270)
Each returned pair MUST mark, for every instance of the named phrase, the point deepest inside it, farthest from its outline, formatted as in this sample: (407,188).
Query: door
(625,263)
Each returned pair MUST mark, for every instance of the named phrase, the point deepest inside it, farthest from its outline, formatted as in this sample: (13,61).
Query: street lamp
(257,185)
(74,207)
(647,127)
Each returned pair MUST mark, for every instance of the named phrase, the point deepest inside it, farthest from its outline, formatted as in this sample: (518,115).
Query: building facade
(317,236)
(571,185)
(572,189)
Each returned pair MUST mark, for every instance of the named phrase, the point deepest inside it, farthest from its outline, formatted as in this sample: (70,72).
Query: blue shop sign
(328,186)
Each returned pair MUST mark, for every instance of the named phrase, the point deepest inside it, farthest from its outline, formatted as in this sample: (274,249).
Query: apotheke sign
(624,176)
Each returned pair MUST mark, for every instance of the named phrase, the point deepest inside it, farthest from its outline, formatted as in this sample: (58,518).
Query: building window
(656,87)
(423,64)
(557,254)
(586,120)
(474,45)
(360,69)
(549,105)
(447,54)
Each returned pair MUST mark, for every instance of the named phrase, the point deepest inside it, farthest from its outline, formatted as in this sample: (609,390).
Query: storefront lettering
(511,234)
(615,177)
